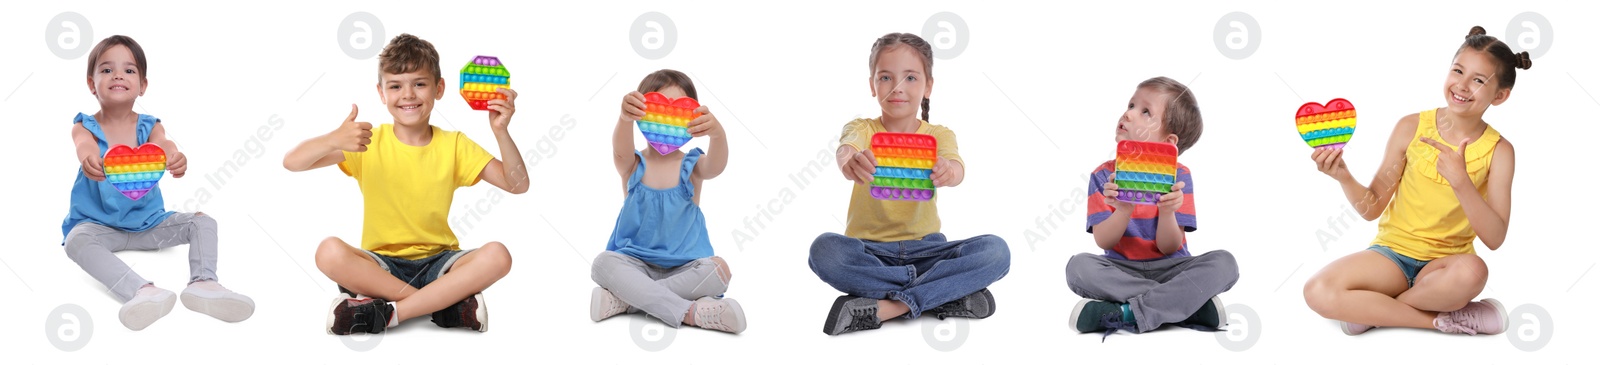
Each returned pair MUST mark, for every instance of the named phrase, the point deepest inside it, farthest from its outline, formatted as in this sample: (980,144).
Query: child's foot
(471,313)
(1485,317)
(850,314)
(212,299)
(1091,315)
(1210,317)
(719,314)
(363,315)
(1352,329)
(976,305)
(148,304)
(603,304)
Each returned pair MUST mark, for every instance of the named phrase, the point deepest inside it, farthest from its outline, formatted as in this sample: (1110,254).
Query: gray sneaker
(976,305)
(850,314)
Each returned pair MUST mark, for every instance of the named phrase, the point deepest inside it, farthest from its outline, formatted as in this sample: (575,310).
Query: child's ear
(1171,138)
(927,91)
(438,90)
(92,91)
(379,88)
(871,84)
(1500,96)
(144,84)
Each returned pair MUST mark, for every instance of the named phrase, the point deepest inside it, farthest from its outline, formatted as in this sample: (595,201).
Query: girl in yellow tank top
(1445,180)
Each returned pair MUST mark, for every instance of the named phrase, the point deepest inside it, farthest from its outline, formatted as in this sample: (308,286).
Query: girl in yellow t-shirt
(1446,179)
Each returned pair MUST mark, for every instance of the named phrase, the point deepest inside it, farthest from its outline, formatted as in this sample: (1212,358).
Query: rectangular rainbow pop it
(666,121)
(1326,126)
(479,79)
(904,166)
(1145,171)
(134,171)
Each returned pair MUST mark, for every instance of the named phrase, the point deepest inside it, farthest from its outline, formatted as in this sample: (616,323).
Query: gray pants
(662,292)
(91,246)
(1159,291)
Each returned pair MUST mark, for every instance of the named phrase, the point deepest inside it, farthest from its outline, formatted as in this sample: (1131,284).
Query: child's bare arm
(1369,200)
(328,149)
(1169,234)
(510,175)
(177,163)
(622,136)
(715,160)
(1110,231)
(1488,214)
(88,153)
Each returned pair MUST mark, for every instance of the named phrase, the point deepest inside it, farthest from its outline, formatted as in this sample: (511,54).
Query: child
(1147,277)
(101,220)
(659,259)
(891,260)
(1446,179)
(410,263)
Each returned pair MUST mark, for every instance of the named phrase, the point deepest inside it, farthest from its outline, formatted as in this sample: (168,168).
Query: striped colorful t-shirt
(1139,242)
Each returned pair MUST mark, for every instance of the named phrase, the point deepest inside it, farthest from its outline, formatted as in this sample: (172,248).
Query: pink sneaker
(1352,328)
(1484,317)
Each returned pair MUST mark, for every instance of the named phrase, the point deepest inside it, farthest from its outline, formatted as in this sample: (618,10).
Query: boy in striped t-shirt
(1147,277)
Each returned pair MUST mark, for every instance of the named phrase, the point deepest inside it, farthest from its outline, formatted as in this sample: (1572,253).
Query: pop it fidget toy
(905,166)
(1326,126)
(479,79)
(134,171)
(666,121)
(1145,171)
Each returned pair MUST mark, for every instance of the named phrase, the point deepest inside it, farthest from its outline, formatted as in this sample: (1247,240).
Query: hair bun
(1523,61)
(1476,30)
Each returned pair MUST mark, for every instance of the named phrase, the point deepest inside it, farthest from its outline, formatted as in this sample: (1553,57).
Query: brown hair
(910,40)
(118,40)
(1183,112)
(407,53)
(1480,40)
(663,78)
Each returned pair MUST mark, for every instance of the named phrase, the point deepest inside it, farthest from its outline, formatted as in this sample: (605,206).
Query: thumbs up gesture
(351,136)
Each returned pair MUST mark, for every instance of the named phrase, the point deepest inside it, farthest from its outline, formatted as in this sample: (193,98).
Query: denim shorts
(1409,266)
(419,272)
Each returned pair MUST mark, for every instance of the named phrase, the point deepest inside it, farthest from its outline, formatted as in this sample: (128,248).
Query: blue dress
(101,203)
(663,227)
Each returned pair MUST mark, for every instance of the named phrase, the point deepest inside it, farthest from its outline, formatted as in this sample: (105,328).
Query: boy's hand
(1110,192)
(1452,165)
(704,125)
(860,167)
(351,136)
(94,168)
(1170,202)
(500,111)
(632,107)
(1330,161)
(177,164)
(943,172)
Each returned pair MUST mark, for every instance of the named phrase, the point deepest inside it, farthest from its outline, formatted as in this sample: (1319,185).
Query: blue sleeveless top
(101,203)
(663,227)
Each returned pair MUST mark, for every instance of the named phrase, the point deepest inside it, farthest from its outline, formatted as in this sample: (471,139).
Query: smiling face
(1472,85)
(900,81)
(116,79)
(1144,119)
(410,96)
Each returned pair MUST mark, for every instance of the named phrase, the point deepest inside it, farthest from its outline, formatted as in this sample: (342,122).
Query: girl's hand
(177,164)
(500,111)
(944,173)
(701,126)
(1109,190)
(1170,202)
(632,107)
(1330,161)
(93,168)
(859,167)
(1452,164)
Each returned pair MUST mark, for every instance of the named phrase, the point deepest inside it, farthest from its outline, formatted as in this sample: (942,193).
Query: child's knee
(828,246)
(1319,293)
(603,264)
(331,253)
(496,256)
(723,272)
(993,249)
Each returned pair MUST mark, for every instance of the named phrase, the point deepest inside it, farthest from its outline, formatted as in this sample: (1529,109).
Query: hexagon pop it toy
(134,171)
(1145,171)
(666,121)
(480,77)
(1328,125)
(904,166)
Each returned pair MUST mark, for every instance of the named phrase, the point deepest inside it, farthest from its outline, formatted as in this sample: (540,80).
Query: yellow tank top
(1424,221)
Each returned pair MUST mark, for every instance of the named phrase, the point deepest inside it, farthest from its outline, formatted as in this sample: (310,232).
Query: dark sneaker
(1210,317)
(358,315)
(850,314)
(976,305)
(471,313)
(1091,315)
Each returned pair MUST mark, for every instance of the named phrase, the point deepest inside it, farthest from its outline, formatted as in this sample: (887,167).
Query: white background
(1033,98)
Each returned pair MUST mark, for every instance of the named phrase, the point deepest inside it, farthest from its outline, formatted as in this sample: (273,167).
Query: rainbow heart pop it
(1326,126)
(666,121)
(480,77)
(905,166)
(134,171)
(1145,171)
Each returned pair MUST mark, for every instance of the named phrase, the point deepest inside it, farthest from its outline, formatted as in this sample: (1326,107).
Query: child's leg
(91,245)
(470,274)
(1096,277)
(964,267)
(845,263)
(707,277)
(1186,284)
(1447,284)
(1361,288)
(625,276)
(198,230)
(357,271)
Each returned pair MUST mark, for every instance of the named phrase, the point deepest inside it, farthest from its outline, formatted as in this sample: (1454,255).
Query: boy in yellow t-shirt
(410,263)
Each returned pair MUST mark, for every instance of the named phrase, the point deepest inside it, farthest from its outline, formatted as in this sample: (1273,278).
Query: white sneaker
(603,304)
(148,305)
(212,299)
(719,314)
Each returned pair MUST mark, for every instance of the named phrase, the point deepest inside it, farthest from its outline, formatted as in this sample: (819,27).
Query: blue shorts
(419,272)
(1408,266)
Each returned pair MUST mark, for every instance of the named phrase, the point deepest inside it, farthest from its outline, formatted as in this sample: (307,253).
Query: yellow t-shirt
(406,190)
(892,220)
(1424,220)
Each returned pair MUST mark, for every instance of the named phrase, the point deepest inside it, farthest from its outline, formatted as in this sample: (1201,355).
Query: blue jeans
(420,272)
(1408,266)
(920,273)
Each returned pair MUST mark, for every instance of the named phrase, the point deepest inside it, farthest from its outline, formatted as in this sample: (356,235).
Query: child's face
(899,83)
(1472,86)
(1143,119)
(410,96)
(116,79)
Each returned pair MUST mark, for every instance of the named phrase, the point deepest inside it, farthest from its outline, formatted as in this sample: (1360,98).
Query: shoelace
(710,316)
(1451,323)
(1112,321)
(863,319)
(953,309)
(617,306)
